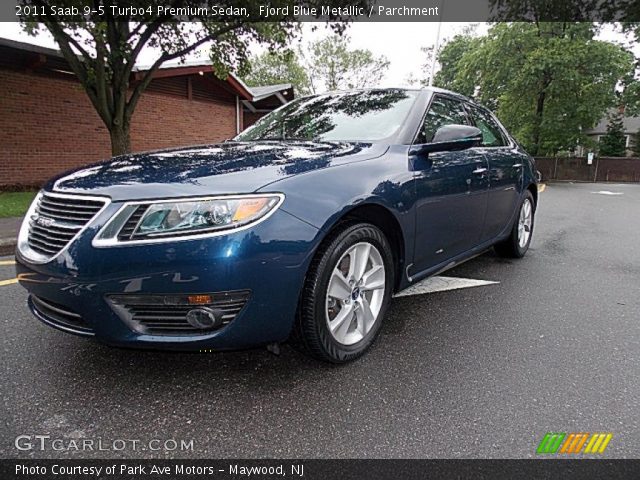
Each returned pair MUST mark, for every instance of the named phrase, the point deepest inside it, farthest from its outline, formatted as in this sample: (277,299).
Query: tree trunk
(538,126)
(542,95)
(120,140)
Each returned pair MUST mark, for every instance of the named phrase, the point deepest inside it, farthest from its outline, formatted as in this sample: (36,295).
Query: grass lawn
(15,204)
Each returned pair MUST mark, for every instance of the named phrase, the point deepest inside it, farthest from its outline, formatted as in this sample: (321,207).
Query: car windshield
(366,115)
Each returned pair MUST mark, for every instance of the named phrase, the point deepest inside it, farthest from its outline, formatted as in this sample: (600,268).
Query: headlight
(169,219)
(181,219)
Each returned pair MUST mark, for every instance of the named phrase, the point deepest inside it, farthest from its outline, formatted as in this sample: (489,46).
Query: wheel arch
(386,221)
(533,188)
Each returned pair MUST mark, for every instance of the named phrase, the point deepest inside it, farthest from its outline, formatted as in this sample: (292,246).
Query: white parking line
(442,284)
(607,192)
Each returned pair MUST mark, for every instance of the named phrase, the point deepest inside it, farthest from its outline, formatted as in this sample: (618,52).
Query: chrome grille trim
(66,217)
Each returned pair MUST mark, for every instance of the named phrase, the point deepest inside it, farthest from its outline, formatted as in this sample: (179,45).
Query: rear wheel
(520,238)
(346,294)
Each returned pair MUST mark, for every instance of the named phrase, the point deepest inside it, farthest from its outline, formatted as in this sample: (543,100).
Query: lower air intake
(168,314)
(61,316)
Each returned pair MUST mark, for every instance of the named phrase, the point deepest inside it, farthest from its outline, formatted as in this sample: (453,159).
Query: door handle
(480,170)
(517,165)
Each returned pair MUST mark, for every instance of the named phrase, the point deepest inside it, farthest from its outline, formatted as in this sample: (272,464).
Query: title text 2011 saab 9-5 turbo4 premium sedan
(301,227)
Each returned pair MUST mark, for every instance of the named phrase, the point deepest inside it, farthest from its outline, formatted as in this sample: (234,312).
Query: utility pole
(435,50)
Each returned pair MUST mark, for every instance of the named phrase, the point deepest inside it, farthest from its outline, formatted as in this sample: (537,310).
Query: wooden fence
(602,169)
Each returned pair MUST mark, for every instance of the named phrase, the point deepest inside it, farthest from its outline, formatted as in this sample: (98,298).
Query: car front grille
(60,315)
(167,314)
(58,219)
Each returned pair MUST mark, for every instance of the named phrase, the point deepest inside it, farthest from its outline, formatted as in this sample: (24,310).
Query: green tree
(613,143)
(448,57)
(546,81)
(631,92)
(332,65)
(103,47)
(635,144)
(271,68)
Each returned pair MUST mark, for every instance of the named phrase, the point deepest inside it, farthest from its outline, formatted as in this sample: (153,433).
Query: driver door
(451,191)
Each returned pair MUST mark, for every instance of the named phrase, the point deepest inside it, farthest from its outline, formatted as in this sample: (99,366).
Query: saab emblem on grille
(43,221)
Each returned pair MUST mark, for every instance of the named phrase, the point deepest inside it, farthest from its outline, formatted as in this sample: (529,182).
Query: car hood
(225,168)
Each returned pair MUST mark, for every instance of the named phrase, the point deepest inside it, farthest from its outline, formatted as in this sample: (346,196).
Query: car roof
(450,93)
(410,89)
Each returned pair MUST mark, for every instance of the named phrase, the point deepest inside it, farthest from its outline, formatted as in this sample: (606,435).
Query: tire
(335,325)
(515,246)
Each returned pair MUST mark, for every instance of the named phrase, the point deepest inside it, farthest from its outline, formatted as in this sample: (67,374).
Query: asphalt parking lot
(477,372)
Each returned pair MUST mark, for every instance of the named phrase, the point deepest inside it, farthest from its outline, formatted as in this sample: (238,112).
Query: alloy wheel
(524,223)
(355,293)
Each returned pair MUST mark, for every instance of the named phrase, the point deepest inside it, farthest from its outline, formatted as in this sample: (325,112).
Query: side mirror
(450,138)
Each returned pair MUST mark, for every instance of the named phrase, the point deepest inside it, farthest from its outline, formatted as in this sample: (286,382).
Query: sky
(400,42)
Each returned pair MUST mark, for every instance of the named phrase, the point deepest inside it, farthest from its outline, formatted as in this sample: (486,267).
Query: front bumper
(269,261)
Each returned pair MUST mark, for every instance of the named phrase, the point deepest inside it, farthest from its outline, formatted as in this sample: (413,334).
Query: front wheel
(346,294)
(517,244)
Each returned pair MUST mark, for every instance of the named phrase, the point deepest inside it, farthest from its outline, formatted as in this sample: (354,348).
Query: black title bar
(316,469)
(323,10)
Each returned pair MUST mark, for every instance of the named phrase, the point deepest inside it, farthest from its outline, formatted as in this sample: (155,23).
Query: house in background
(631,127)
(48,125)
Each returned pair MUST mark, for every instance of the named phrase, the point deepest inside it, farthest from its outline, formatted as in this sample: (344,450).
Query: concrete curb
(9,228)
(7,246)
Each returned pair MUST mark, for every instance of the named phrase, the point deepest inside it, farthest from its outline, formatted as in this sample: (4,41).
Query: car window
(492,135)
(442,111)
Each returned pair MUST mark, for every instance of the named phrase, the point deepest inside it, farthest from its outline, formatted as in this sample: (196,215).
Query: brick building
(48,125)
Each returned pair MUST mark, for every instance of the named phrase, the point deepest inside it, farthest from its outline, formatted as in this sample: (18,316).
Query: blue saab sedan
(302,227)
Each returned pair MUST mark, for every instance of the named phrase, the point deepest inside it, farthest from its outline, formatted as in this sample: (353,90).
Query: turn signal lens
(199,299)
(249,208)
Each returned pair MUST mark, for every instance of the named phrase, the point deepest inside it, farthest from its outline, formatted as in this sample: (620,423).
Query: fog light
(204,318)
